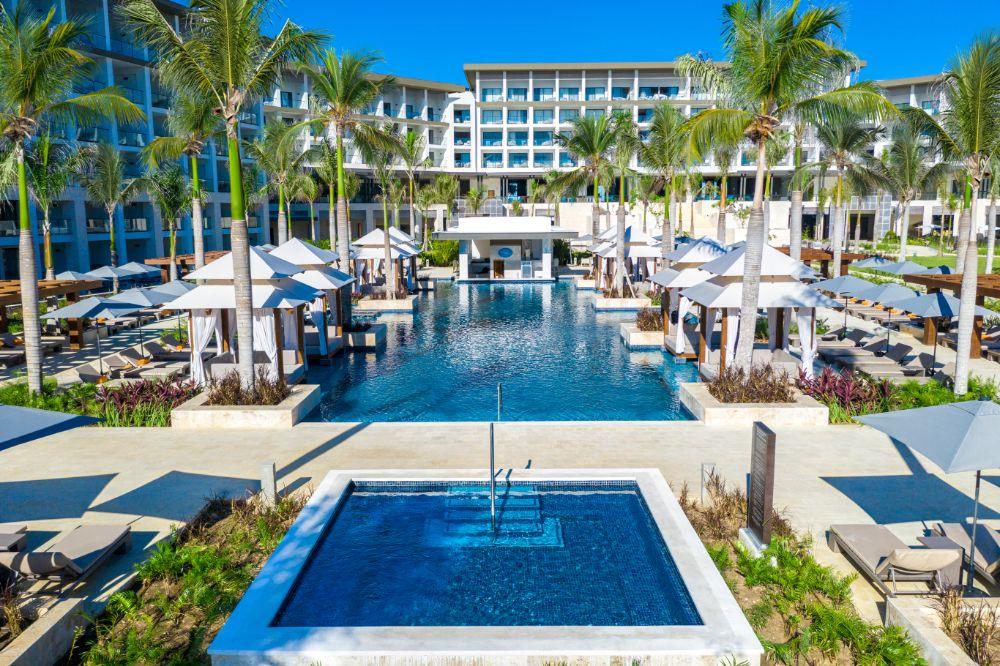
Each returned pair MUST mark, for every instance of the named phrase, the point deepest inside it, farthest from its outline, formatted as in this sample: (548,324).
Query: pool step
(504,514)
(509,501)
(440,533)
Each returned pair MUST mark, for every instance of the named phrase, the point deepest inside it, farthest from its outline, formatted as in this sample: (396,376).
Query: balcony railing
(136,224)
(464,164)
(132,138)
(93,135)
(466,141)
(162,98)
(60,225)
(9,228)
(463,118)
(98,225)
(127,48)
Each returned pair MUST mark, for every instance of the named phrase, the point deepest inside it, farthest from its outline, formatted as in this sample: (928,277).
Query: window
(543,116)
(695,110)
(658,92)
(569,94)
(517,94)
(492,160)
(387,108)
(596,92)
(929,106)
(492,94)
(566,160)
(644,135)
(462,139)
(543,160)
(595,113)
(411,112)
(543,138)
(517,116)
(568,115)
(747,159)
(620,92)
(492,138)
(286,99)
(544,95)
(518,160)
(645,115)
(517,138)
(462,116)
(462,159)
(492,116)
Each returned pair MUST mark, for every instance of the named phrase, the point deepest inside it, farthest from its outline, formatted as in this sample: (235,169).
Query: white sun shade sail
(773,263)
(300,253)
(283,293)
(263,266)
(772,295)
(324,278)
(671,278)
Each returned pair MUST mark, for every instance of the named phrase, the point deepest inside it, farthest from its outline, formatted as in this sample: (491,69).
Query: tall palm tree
(991,214)
(795,194)
(907,173)
(723,154)
(592,142)
(844,142)
(39,66)
(343,88)
(382,163)
(278,156)
(555,189)
(191,123)
(969,133)
(102,176)
(50,169)
(665,153)
(171,194)
(949,206)
(425,198)
(445,192)
(646,189)
(326,169)
(411,158)
(627,145)
(304,188)
(397,194)
(780,60)
(223,55)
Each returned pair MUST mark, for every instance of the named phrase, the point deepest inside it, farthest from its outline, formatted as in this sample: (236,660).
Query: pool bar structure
(333,593)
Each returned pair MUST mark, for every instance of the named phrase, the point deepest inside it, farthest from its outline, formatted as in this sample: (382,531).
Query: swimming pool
(557,358)
(403,567)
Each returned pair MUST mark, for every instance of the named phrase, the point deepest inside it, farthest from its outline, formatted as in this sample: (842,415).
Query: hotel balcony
(93,135)
(9,228)
(98,225)
(137,224)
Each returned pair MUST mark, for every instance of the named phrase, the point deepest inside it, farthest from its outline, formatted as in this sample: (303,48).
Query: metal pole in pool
(493,485)
(499,400)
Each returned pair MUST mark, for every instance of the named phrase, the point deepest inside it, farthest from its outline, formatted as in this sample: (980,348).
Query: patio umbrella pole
(888,330)
(934,353)
(100,356)
(971,582)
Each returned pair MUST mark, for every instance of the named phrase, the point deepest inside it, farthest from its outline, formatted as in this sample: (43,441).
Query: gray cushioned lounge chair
(72,558)
(887,561)
(987,547)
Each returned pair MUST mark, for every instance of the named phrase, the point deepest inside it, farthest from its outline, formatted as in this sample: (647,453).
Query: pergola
(10,294)
(185,263)
(810,255)
(986,286)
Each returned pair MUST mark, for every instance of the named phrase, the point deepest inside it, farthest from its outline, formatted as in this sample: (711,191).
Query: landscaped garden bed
(228,404)
(740,397)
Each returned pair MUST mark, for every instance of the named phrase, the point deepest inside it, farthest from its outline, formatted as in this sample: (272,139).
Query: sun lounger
(72,558)
(89,374)
(887,561)
(11,357)
(10,341)
(987,562)
(161,352)
(851,339)
(833,354)
(13,536)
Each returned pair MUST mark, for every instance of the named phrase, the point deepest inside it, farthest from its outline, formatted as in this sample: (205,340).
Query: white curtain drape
(218,332)
(290,324)
(203,324)
(789,314)
(807,336)
(317,314)
(264,339)
(709,315)
(682,309)
(231,314)
(732,316)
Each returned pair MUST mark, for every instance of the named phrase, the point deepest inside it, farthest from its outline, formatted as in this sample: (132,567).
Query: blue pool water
(557,358)
(423,554)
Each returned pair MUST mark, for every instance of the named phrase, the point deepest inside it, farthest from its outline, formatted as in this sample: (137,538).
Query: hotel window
(492,116)
(462,139)
(658,92)
(596,92)
(566,160)
(516,160)
(462,116)
(517,94)
(543,138)
(492,138)
(620,92)
(492,160)
(930,107)
(595,113)
(544,95)
(517,138)
(543,116)
(492,94)
(569,94)
(517,116)
(645,115)
(543,160)
(568,115)
(695,110)
(644,135)
(411,112)
(387,108)
(286,99)
(462,159)
(747,159)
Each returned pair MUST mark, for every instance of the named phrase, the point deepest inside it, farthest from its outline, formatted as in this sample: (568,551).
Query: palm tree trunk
(50,271)
(28,275)
(173,251)
(904,229)
(966,236)
(114,248)
(313,227)
(966,311)
(282,217)
(857,230)
(197,223)
(668,238)
(795,225)
(690,198)
(754,254)
(991,231)
(620,252)
(838,226)
(240,240)
(343,225)
(413,210)
(595,215)
(720,226)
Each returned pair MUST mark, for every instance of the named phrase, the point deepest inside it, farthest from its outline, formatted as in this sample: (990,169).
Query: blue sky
(432,39)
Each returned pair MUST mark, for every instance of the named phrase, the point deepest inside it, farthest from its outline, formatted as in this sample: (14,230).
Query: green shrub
(761,383)
(441,253)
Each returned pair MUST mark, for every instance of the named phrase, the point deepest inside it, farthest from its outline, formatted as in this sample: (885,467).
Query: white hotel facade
(495,132)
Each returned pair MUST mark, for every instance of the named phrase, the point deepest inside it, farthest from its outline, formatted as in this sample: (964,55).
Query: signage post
(760,492)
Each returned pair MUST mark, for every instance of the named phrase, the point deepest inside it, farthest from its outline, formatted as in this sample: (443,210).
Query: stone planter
(602,304)
(805,411)
(196,415)
(636,339)
(408,304)
(583,283)
(923,624)
(373,338)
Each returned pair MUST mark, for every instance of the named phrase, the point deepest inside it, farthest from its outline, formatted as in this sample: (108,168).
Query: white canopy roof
(324,278)
(376,238)
(504,228)
(631,251)
(282,294)
(300,253)
(773,263)
(772,295)
(263,266)
(671,278)
(395,251)
(702,250)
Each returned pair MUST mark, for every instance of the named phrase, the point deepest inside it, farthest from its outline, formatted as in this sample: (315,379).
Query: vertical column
(216,212)
(81,243)
(546,258)
(463,259)
(161,241)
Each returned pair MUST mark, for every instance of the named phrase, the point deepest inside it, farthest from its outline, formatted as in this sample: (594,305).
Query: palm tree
(474,199)
(411,157)
(381,162)
(303,187)
(949,204)
(969,133)
(795,195)
(223,55)
(445,192)
(723,154)
(191,123)
(692,186)
(779,60)
(627,144)
(554,190)
(50,169)
(102,176)
(906,173)
(592,142)
(278,156)
(844,143)
(343,87)
(646,189)
(425,198)
(775,150)
(991,214)
(326,169)
(352,185)
(665,153)
(171,194)
(397,194)
(39,66)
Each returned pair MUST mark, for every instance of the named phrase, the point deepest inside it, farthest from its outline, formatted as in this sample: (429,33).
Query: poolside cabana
(328,314)
(278,306)
(509,249)
(640,255)
(987,286)
(185,263)
(10,295)
(824,258)
(369,258)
